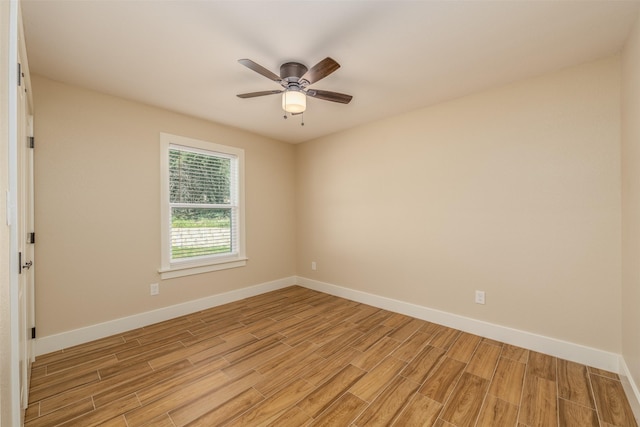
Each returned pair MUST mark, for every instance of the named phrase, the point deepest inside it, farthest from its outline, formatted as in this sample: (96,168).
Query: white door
(25,223)
(16,288)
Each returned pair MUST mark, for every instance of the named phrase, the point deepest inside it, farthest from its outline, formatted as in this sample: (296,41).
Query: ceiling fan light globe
(294,101)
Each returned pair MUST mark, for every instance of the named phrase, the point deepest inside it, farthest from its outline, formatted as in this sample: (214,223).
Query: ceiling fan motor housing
(292,71)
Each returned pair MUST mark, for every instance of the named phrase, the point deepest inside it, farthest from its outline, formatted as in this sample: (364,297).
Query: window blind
(203,198)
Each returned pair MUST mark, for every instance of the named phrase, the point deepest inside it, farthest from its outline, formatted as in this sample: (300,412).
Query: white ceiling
(396,56)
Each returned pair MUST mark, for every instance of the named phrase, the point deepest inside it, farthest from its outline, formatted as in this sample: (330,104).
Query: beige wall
(97,208)
(514,191)
(631,203)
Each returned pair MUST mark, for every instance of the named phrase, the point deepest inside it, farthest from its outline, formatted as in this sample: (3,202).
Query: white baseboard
(630,388)
(563,349)
(89,333)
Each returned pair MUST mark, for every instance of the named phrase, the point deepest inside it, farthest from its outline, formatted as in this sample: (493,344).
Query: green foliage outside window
(196,178)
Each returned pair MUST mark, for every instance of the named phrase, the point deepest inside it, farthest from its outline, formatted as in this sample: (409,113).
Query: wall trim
(570,351)
(74,337)
(563,349)
(630,388)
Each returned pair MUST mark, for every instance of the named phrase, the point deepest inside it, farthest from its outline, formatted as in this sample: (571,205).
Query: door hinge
(19,74)
(31,141)
(33,333)
(31,238)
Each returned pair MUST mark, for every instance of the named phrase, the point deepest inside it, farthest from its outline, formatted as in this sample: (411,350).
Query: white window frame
(169,269)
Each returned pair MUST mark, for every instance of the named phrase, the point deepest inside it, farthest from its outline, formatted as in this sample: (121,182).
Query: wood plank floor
(296,357)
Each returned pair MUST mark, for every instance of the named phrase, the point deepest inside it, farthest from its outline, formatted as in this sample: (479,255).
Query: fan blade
(321,70)
(330,96)
(254,94)
(259,69)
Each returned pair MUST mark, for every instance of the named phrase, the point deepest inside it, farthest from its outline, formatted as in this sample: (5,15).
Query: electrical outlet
(154,289)
(479,297)
(313,265)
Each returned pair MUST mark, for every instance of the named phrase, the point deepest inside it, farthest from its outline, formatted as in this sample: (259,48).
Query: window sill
(187,270)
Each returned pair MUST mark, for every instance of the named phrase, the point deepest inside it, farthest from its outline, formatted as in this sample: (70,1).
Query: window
(202,206)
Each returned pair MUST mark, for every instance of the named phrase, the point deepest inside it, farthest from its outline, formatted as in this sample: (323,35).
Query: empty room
(320,213)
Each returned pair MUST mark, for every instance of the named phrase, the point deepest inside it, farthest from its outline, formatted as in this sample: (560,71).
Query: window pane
(198,178)
(199,232)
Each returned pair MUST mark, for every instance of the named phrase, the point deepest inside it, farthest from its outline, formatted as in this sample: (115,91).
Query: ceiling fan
(295,79)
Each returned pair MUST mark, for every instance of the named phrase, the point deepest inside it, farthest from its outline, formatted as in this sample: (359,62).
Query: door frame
(10,414)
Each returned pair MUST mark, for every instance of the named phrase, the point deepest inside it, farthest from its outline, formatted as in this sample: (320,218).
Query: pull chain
(301,118)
